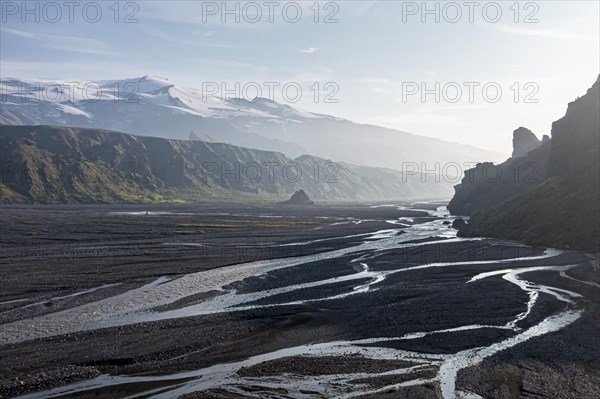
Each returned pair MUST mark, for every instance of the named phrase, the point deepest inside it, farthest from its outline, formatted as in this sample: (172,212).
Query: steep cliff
(575,138)
(563,210)
(487,184)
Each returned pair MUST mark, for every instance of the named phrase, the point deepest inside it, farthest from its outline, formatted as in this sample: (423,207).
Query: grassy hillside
(49,164)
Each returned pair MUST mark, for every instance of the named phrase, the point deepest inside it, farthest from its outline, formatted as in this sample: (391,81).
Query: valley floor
(259,301)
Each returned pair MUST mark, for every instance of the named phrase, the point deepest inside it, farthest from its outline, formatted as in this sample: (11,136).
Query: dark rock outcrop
(487,184)
(298,198)
(524,141)
(545,139)
(459,224)
(564,209)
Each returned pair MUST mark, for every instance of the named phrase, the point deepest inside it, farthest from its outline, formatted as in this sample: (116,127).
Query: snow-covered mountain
(153,106)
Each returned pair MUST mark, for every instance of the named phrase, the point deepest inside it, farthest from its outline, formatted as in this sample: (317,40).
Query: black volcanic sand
(563,364)
(306,365)
(54,251)
(51,252)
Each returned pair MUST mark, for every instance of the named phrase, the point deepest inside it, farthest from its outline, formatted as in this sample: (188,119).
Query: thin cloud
(310,50)
(547,33)
(375,80)
(19,33)
(169,36)
(209,33)
(65,71)
(312,75)
(361,8)
(63,42)
(377,85)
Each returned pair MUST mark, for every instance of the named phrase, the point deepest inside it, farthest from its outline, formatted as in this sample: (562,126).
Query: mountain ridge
(54,164)
(156,107)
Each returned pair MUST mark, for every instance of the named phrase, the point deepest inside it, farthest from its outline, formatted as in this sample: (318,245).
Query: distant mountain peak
(152,78)
(298,198)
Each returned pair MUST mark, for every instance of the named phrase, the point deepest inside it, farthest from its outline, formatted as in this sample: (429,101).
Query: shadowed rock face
(487,184)
(563,210)
(524,141)
(575,137)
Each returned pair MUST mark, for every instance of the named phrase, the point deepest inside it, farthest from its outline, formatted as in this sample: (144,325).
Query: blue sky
(373,53)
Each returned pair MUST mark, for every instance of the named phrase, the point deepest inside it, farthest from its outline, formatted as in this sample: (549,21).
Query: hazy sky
(375,53)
